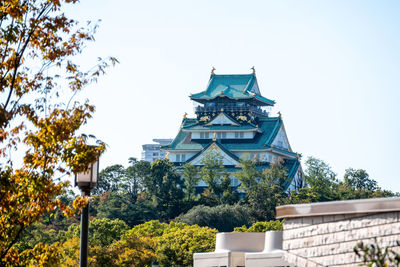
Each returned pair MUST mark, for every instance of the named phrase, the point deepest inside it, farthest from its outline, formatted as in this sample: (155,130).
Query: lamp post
(86,181)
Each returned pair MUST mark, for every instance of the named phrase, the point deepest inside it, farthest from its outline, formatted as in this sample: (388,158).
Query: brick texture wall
(329,240)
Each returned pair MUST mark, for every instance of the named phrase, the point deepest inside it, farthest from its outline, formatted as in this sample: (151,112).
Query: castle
(232,119)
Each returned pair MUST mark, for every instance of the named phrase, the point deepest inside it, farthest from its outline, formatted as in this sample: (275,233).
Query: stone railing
(324,234)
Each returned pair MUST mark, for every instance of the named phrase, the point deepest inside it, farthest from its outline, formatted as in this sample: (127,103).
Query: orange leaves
(37,45)
(77,205)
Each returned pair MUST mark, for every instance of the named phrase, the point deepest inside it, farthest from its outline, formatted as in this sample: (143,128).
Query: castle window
(221,135)
(204,135)
(239,135)
(180,157)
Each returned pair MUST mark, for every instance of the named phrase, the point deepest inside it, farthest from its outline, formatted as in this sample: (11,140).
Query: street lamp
(86,181)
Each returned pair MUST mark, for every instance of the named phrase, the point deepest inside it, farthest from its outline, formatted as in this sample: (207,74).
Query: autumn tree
(39,119)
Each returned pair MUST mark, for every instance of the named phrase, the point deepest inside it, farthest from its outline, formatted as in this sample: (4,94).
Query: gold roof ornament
(214,137)
(212,70)
(253,69)
(185,115)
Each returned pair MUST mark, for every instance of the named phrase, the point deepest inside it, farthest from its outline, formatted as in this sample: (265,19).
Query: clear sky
(333,67)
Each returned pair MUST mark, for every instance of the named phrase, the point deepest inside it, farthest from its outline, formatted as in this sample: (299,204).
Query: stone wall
(328,240)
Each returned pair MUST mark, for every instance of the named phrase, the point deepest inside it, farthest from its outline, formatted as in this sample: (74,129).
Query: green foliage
(322,185)
(212,171)
(261,227)
(102,232)
(263,189)
(113,205)
(110,179)
(165,187)
(133,184)
(132,250)
(176,247)
(321,180)
(174,242)
(191,179)
(229,194)
(36,233)
(152,228)
(374,255)
(223,217)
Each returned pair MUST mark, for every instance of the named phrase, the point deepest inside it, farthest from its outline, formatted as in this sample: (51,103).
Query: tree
(37,72)
(110,179)
(142,172)
(359,180)
(321,183)
(113,205)
(191,179)
(212,171)
(165,187)
(102,232)
(229,194)
(263,189)
(133,183)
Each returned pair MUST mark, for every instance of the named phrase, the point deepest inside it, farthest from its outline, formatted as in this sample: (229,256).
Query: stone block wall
(328,240)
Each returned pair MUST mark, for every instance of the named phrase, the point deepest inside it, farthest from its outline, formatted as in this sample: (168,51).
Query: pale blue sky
(332,66)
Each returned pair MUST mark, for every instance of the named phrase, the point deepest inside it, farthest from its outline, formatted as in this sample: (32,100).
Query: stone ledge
(375,205)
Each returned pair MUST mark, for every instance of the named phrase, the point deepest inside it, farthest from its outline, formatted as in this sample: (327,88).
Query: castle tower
(231,118)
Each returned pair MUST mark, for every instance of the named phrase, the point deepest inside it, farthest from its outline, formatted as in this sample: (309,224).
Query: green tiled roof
(268,125)
(219,127)
(237,86)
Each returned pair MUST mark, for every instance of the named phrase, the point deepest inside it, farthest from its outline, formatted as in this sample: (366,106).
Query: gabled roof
(234,86)
(215,145)
(269,126)
(223,119)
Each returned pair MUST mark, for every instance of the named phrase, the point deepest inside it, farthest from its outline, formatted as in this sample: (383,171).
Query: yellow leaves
(36,48)
(71,67)
(80,202)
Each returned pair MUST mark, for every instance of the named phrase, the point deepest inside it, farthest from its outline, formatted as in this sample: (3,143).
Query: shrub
(261,227)
(222,217)
(176,248)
